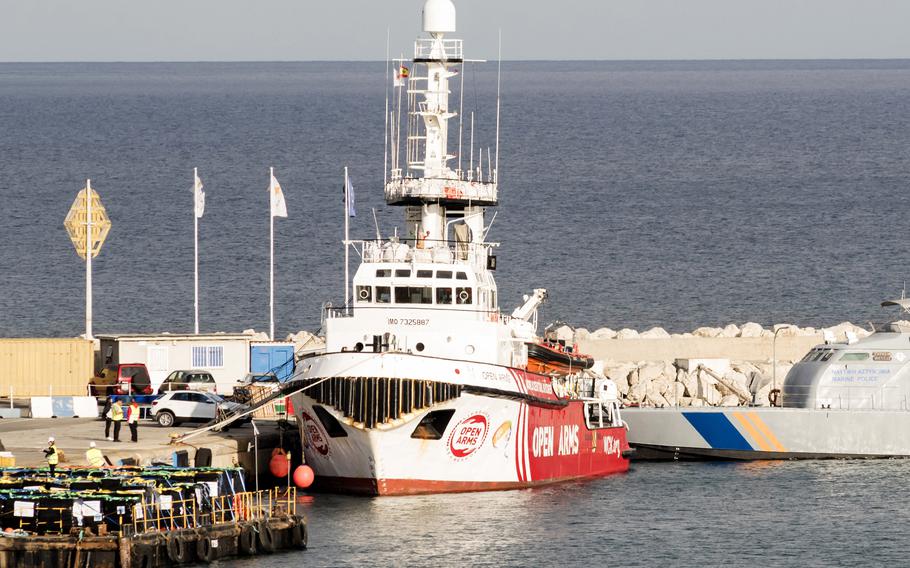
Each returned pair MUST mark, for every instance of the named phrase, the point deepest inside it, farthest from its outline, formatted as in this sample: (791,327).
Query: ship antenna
(460,118)
(471,169)
(498,98)
(385,161)
(376,223)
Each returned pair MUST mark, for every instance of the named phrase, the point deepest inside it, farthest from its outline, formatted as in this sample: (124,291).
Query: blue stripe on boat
(717,430)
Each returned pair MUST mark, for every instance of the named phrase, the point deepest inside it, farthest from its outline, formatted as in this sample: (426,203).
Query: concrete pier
(26,438)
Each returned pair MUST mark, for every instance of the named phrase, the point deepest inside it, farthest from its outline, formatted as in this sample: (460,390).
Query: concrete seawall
(790,348)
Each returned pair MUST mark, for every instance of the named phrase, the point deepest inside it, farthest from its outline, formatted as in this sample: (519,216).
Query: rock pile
(751,329)
(660,383)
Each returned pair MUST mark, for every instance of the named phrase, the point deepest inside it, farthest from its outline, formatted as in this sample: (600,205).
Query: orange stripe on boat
(760,424)
(762,443)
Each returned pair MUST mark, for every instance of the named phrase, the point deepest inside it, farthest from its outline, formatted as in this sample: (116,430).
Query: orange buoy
(303,476)
(279,465)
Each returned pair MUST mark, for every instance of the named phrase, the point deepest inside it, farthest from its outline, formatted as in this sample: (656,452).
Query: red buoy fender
(304,476)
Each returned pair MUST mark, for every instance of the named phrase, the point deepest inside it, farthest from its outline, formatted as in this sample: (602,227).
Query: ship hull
(478,439)
(766,433)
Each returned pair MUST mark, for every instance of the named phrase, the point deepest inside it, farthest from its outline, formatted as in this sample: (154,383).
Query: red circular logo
(314,435)
(468,435)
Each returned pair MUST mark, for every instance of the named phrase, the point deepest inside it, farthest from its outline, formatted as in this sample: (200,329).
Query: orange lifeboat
(547,357)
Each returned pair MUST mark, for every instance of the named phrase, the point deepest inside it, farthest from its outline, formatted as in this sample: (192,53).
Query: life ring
(247,541)
(463,295)
(178,549)
(774,397)
(299,533)
(266,537)
(364,294)
(205,552)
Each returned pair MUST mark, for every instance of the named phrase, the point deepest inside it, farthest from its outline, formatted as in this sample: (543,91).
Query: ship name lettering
(468,436)
(542,441)
(408,321)
(611,446)
(568,440)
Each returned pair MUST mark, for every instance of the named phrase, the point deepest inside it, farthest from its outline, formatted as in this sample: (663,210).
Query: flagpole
(346,242)
(196,249)
(88,259)
(271,259)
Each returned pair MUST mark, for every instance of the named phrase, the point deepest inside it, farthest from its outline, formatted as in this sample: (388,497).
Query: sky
(307,30)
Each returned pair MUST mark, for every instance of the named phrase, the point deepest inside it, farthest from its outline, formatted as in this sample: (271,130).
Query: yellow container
(8,461)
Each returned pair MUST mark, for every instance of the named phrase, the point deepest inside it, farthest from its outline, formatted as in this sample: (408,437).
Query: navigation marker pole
(88,259)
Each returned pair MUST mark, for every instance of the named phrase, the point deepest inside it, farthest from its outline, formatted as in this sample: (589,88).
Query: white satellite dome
(438,16)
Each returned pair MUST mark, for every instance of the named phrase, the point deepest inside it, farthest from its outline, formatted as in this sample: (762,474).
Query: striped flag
(349,196)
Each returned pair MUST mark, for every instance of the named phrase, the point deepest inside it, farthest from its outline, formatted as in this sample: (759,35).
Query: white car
(174,407)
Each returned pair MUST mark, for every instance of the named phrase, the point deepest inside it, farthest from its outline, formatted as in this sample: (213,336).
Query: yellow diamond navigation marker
(76,222)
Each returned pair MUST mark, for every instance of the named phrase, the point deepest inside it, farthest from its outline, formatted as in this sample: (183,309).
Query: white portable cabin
(225,355)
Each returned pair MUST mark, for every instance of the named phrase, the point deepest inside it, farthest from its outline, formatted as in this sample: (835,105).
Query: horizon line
(576,60)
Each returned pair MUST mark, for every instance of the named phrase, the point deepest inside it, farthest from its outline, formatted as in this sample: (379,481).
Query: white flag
(279,208)
(199,196)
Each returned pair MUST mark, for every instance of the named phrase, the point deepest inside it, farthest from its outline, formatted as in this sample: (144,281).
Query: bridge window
(443,274)
(461,276)
(413,295)
(443,295)
(364,293)
(424,274)
(464,295)
(403,273)
(854,357)
(383,295)
(383,273)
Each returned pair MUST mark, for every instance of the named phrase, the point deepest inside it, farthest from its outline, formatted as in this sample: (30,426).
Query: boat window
(828,354)
(424,274)
(461,276)
(854,357)
(413,295)
(364,293)
(464,295)
(383,273)
(383,294)
(433,425)
(443,274)
(443,295)
(818,354)
(403,272)
(808,356)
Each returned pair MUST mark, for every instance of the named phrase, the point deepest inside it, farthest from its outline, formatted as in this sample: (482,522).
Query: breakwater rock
(709,366)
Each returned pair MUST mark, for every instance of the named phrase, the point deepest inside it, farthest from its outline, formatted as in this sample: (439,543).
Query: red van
(132,378)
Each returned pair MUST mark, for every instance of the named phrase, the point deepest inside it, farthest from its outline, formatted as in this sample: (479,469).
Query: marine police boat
(842,400)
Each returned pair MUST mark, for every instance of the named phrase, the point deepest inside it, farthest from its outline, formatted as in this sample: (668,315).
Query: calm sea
(674,194)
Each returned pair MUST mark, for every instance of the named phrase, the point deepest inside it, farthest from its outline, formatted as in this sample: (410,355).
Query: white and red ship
(424,385)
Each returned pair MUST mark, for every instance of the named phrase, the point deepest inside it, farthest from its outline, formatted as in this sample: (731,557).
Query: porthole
(419,347)
(469,349)
(358,347)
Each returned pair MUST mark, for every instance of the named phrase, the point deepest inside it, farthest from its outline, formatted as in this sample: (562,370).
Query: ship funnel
(438,16)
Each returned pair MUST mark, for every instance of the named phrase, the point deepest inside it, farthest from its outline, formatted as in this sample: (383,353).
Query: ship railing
(463,188)
(846,397)
(427,251)
(332,312)
(431,49)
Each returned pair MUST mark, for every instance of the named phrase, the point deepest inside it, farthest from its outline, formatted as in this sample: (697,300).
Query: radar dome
(438,16)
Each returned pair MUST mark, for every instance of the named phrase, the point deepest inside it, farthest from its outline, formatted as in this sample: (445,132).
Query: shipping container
(45,366)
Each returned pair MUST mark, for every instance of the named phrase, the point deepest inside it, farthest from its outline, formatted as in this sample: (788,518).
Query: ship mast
(439,199)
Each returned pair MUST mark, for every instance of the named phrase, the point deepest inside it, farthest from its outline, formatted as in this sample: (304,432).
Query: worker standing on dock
(50,454)
(116,418)
(132,418)
(94,456)
(106,412)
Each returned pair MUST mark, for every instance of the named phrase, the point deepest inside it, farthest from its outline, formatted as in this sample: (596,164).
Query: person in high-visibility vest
(94,456)
(132,418)
(116,418)
(50,454)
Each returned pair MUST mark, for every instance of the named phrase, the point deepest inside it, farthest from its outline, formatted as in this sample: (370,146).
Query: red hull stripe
(365,486)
